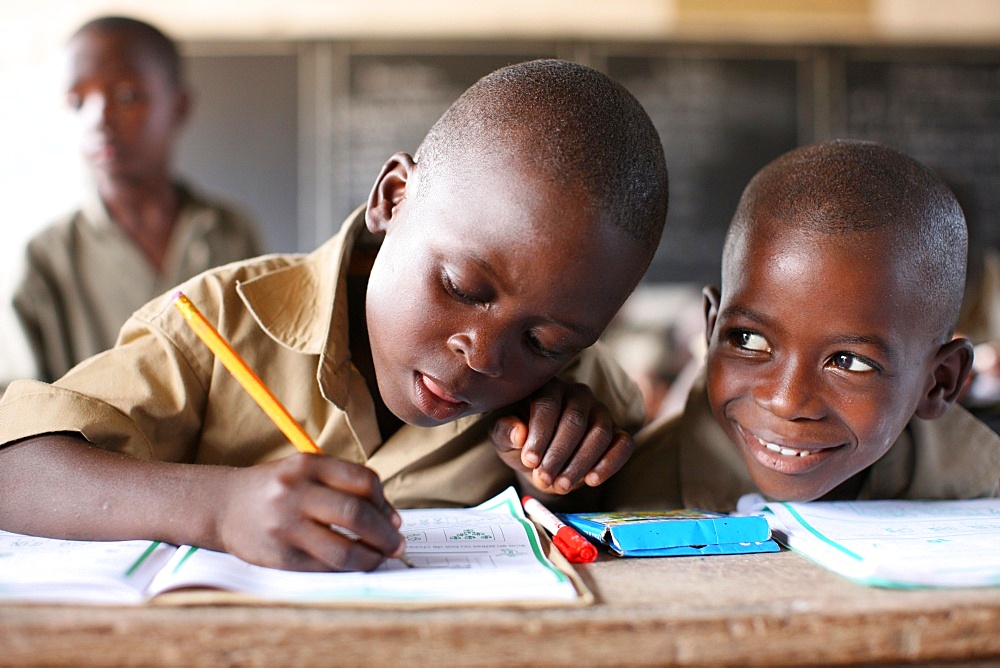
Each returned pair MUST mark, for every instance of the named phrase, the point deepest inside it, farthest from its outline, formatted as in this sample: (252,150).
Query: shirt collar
(712,472)
(303,305)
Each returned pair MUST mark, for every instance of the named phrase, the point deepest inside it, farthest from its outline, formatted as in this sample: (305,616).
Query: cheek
(876,419)
(385,301)
(725,380)
(399,310)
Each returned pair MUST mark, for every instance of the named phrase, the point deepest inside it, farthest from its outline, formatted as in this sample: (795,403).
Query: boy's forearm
(60,486)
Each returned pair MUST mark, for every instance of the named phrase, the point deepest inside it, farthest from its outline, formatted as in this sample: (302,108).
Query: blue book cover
(694,550)
(674,532)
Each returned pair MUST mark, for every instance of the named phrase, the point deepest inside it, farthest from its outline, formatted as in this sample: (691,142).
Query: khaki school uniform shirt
(84,276)
(160,393)
(687,461)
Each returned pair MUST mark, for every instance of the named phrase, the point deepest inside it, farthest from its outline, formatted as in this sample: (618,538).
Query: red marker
(570,542)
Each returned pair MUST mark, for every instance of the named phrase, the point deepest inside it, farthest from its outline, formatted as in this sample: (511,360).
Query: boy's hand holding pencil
(280,514)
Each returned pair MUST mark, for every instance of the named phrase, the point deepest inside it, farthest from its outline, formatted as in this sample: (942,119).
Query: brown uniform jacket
(687,461)
(161,394)
(84,276)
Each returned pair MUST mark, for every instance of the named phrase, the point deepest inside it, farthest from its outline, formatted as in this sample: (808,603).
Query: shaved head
(848,188)
(143,37)
(569,124)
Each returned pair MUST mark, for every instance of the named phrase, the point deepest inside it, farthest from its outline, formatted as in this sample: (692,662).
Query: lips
(435,401)
(104,153)
(438,391)
(784,458)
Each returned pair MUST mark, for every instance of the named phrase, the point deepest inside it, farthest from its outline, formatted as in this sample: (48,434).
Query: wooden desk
(766,608)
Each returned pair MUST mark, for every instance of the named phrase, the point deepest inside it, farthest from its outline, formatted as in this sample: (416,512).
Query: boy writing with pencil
(474,283)
(832,368)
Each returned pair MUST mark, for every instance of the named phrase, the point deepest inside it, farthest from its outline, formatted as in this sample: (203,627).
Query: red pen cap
(577,549)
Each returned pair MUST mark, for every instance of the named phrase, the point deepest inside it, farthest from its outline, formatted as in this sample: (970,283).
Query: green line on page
(142,557)
(187,554)
(808,527)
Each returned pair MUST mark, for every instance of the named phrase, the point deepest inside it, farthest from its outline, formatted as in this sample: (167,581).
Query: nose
(791,391)
(96,111)
(481,350)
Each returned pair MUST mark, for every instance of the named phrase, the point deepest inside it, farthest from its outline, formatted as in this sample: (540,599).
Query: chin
(411,414)
(791,490)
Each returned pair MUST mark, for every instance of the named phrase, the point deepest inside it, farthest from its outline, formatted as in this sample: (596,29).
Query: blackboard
(720,120)
(395,99)
(241,143)
(722,113)
(944,111)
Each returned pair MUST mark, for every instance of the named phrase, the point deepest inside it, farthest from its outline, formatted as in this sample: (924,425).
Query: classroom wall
(298,103)
(722,110)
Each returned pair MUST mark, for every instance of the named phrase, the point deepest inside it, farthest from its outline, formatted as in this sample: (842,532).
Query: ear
(710,302)
(952,366)
(388,191)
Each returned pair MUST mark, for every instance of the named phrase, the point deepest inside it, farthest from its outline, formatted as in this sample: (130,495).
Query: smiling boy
(832,369)
(479,275)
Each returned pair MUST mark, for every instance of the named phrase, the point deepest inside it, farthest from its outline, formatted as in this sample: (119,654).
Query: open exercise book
(482,555)
(897,543)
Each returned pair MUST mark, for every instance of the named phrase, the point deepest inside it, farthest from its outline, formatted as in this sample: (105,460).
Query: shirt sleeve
(142,398)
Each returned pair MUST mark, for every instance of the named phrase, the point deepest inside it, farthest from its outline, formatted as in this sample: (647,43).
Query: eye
(451,286)
(74,101)
(539,348)
(853,363)
(748,340)
(126,95)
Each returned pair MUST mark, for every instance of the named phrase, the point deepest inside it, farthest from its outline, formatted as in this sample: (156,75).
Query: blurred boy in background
(140,231)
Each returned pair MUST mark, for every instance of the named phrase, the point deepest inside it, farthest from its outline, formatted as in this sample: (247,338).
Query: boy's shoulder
(268,282)
(54,238)
(289,297)
(954,456)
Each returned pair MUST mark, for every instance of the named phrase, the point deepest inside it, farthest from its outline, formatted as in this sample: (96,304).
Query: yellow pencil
(250,381)
(245,375)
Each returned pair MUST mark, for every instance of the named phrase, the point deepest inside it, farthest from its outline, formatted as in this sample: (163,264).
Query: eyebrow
(845,339)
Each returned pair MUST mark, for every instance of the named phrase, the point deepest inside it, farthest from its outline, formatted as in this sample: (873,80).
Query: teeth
(788,452)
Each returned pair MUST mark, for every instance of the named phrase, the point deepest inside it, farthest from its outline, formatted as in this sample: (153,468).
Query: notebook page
(486,554)
(898,543)
(73,571)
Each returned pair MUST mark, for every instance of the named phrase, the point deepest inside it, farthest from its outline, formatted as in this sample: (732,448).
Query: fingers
(323,549)
(374,535)
(622,447)
(311,512)
(575,453)
(546,412)
(572,440)
(583,431)
(356,480)
(509,433)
